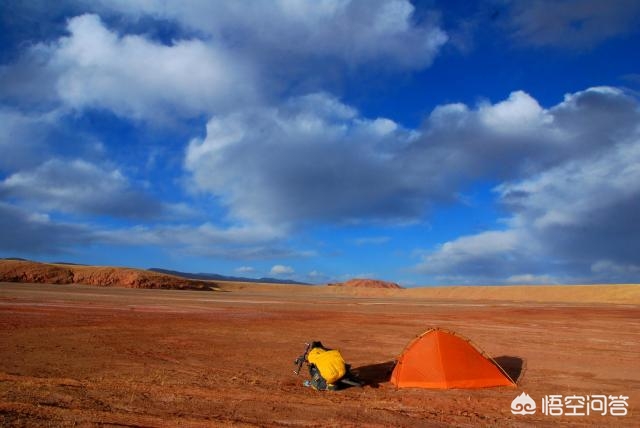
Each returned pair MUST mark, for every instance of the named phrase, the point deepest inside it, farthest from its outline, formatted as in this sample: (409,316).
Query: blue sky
(426,143)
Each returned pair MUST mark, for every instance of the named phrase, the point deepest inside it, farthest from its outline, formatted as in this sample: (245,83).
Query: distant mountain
(218,277)
(68,263)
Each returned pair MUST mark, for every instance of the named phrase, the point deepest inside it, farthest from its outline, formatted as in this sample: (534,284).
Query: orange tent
(442,359)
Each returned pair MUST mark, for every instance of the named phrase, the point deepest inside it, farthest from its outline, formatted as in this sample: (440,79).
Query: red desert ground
(84,345)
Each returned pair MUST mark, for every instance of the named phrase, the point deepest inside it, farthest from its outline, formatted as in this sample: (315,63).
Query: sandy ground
(77,355)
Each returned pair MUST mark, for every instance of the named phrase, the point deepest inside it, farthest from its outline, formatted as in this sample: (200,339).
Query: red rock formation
(44,273)
(367,283)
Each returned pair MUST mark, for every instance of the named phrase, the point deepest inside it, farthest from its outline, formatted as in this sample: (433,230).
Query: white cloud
(518,111)
(323,106)
(245,269)
(281,270)
(77,186)
(299,162)
(481,255)
(317,277)
(569,171)
(572,217)
(224,54)
(528,279)
(136,77)
(568,194)
(299,32)
(570,181)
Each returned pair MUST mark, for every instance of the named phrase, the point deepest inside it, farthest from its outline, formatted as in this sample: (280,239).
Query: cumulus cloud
(228,54)
(315,158)
(130,75)
(485,255)
(517,137)
(216,65)
(585,208)
(574,24)
(528,279)
(135,77)
(35,171)
(574,216)
(567,171)
(281,270)
(77,186)
(302,161)
(569,182)
(519,111)
(297,32)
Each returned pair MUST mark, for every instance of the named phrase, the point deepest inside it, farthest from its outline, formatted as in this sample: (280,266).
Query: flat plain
(75,355)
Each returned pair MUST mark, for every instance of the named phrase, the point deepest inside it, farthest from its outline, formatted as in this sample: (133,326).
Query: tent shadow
(375,374)
(513,366)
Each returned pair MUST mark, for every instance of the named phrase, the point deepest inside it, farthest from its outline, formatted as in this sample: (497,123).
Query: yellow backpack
(330,364)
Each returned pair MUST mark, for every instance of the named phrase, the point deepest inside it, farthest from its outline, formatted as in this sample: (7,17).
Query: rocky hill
(367,283)
(12,270)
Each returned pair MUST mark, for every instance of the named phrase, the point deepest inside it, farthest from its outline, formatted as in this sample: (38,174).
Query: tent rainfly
(442,359)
